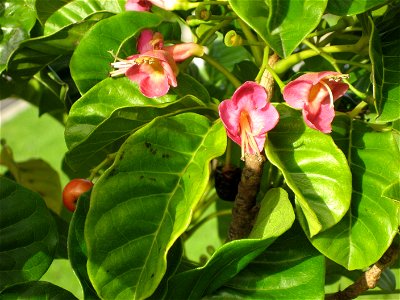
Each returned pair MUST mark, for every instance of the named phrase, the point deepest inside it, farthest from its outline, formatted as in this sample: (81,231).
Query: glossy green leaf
(314,168)
(28,234)
(34,54)
(45,8)
(392,191)
(90,63)
(371,223)
(283,24)
(109,135)
(144,202)
(77,250)
(351,7)
(275,217)
(289,269)
(385,75)
(76,11)
(17,18)
(36,290)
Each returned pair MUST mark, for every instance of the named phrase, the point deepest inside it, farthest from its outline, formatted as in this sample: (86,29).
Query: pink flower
(315,93)
(154,67)
(247,117)
(138,5)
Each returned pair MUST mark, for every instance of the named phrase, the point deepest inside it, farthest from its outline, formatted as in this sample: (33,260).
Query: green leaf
(100,102)
(77,250)
(109,135)
(289,269)
(144,202)
(371,223)
(36,175)
(392,191)
(76,11)
(283,24)
(314,168)
(45,8)
(385,74)
(17,17)
(28,235)
(275,217)
(34,54)
(351,7)
(91,60)
(36,290)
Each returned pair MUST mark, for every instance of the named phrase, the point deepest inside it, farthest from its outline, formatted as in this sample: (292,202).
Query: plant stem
(196,226)
(244,209)
(370,278)
(96,170)
(257,52)
(236,82)
(285,64)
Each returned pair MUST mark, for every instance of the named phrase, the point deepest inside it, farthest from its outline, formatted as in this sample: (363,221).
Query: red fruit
(73,190)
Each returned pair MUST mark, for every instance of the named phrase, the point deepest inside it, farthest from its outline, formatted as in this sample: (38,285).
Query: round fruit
(73,190)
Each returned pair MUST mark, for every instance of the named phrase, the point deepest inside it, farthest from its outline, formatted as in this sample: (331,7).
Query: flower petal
(250,95)
(183,51)
(138,5)
(144,41)
(321,120)
(230,116)
(296,92)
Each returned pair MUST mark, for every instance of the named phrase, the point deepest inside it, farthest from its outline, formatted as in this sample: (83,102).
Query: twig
(370,278)
(244,209)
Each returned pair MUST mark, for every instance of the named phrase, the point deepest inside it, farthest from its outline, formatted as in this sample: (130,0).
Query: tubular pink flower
(138,5)
(247,117)
(154,68)
(315,93)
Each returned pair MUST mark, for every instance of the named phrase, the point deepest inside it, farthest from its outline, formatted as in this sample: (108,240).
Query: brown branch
(244,209)
(370,278)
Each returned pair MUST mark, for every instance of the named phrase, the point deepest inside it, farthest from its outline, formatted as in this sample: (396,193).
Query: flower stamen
(328,89)
(248,141)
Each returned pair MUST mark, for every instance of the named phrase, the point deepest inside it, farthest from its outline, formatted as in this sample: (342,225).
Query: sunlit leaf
(90,63)
(17,18)
(283,24)
(289,269)
(28,234)
(107,136)
(144,202)
(353,7)
(275,217)
(314,168)
(371,223)
(76,11)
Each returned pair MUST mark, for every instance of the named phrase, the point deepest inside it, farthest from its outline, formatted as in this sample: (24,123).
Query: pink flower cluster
(154,67)
(145,5)
(248,116)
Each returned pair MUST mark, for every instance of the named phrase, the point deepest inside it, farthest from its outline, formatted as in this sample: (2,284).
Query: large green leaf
(144,202)
(76,11)
(91,60)
(368,228)
(351,7)
(283,24)
(77,250)
(275,217)
(45,8)
(28,235)
(17,18)
(34,54)
(314,168)
(289,269)
(36,290)
(108,136)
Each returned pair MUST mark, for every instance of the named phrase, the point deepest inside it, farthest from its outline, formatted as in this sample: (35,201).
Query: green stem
(360,106)
(341,25)
(236,82)
(228,155)
(285,64)
(106,161)
(204,39)
(256,50)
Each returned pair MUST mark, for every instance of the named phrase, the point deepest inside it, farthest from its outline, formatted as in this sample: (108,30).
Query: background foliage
(153,226)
